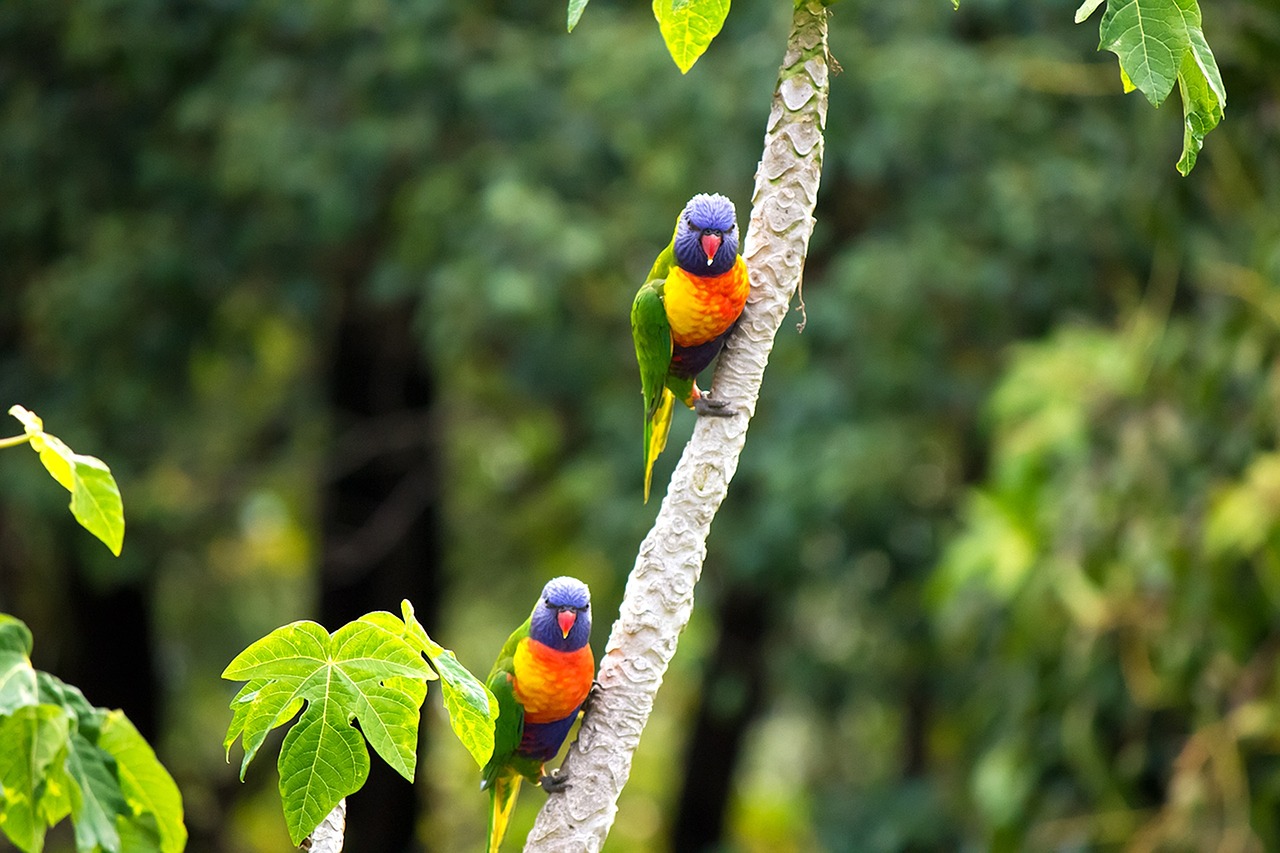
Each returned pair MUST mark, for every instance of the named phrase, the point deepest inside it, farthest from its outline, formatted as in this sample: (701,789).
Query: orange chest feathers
(700,308)
(551,684)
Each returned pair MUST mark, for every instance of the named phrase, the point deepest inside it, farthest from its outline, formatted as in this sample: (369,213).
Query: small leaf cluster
(687,26)
(371,671)
(1160,43)
(60,757)
(95,497)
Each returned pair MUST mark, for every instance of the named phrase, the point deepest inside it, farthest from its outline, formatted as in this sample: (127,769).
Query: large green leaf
(95,497)
(96,799)
(472,708)
(1203,98)
(17,677)
(688,26)
(96,502)
(55,691)
(363,671)
(322,760)
(147,786)
(1160,43)
(61,756)
(33,739)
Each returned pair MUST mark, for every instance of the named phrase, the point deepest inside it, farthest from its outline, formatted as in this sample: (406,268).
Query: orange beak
(566,618)
(710,245)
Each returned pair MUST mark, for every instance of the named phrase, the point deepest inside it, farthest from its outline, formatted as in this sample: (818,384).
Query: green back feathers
(663,263)
(652,334)
(510,723)
(501,777)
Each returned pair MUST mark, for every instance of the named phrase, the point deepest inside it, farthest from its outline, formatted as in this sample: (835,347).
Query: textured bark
(328,837)
(659,595)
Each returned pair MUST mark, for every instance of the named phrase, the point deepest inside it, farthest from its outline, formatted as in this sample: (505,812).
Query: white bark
(328,836)
(659,595)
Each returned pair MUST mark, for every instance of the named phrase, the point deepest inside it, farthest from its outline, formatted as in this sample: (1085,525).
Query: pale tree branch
(328,836)
(659,595)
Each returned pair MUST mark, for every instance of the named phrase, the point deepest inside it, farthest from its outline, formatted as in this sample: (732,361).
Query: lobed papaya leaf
(365,671)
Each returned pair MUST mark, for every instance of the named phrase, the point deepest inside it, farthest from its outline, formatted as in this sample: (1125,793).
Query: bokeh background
(340,290)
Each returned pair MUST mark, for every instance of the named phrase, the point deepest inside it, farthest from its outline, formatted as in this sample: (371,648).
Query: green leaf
(688,26)
(18,685)
(1203,98)
(362,671)
(1087,8)
(61,756)
(32,740)
(1160,43)
(1149,37)
(96,503)
(147,786)
(575,12)
(240,707)
(54,691)
(273,704)
(417,635)
(95,497)
(322,760)
(55,455)
(95,796)
(472,708)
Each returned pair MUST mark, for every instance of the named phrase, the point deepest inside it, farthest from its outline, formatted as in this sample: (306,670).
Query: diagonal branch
(659,594)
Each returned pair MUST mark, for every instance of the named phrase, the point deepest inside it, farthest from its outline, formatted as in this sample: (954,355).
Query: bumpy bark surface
(328,837)
(659,594)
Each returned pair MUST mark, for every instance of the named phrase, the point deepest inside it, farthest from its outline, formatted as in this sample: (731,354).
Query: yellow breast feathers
(699,308)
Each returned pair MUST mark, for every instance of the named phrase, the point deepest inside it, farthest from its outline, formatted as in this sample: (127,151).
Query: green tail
(656,430)
(502,797)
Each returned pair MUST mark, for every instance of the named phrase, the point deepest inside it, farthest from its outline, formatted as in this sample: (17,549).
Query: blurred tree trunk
(381,536)
(732,689)
(659,595)
(112,657)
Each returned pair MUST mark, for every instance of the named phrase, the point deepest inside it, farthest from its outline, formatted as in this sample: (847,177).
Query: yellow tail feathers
(656,430)
(502,796)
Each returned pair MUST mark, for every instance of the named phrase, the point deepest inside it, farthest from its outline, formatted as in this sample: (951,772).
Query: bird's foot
(591,695)
(703,404)
(554,782)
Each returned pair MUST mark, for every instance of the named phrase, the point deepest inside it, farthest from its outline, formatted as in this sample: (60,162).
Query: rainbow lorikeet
(540,679)
(683,314)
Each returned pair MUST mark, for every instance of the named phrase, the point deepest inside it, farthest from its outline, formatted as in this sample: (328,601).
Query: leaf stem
(14,441)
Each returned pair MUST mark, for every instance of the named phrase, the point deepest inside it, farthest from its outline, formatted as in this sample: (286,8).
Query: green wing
(663,263)
(651,332)
(510,723)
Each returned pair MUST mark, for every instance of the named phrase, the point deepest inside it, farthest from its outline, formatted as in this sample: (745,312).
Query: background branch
(659,595)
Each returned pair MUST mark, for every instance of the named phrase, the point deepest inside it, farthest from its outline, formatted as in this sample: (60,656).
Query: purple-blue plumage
(706,215)
(541,741)
(562,595)
(688,362)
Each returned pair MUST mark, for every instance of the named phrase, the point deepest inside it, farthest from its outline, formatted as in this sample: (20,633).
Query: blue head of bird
(562,617)
(706,241)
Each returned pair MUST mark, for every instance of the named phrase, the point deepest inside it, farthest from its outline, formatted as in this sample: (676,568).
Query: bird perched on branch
(540,679)
(683,313)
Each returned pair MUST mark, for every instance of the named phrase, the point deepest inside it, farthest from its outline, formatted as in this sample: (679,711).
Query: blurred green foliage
(1010,498)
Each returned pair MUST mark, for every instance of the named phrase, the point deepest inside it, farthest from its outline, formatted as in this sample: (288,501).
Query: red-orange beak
(566,618)
(710,245)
